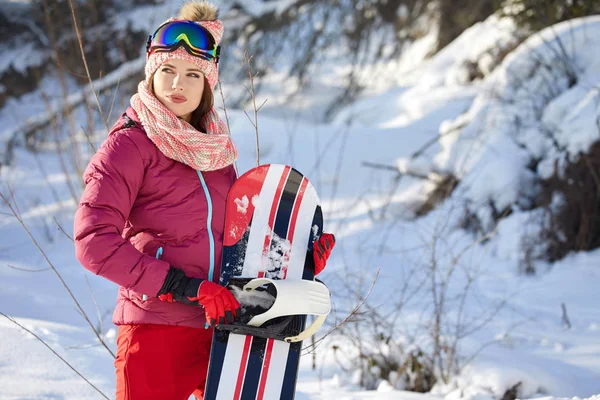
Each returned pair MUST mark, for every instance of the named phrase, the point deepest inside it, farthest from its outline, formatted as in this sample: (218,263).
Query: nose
(176,83)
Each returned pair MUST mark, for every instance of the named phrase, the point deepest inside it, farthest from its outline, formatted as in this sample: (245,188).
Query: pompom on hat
(206,15)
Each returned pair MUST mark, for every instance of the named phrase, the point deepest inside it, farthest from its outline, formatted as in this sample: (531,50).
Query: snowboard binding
(278,314)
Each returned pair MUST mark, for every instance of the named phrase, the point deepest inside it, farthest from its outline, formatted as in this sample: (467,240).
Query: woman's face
(178,84)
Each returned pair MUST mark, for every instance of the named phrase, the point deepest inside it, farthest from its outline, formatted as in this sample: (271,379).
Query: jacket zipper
(211,238)
(158,257)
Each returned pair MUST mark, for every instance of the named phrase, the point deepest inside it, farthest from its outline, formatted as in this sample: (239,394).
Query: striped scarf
(180,141)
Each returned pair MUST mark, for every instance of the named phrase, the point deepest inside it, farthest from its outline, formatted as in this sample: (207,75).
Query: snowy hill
(502,329)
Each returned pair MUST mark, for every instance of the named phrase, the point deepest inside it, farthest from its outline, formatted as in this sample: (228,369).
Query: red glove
(219,304)
(322,250)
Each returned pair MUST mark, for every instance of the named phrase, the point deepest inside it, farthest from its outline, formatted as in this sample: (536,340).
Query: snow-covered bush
(384,361)
(522,144)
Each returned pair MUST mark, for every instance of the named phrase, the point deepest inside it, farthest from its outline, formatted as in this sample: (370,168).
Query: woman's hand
(322,251)
(220,305)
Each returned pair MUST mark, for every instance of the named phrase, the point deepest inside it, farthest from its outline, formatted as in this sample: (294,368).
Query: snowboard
(272,218)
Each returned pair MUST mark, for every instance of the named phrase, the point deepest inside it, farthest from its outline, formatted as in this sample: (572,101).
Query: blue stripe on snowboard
(255,361)
(317,221)
(217,352)
(233,253)
(291,371)
(286,205)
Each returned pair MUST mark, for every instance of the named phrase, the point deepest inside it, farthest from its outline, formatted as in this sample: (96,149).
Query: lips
(175,98)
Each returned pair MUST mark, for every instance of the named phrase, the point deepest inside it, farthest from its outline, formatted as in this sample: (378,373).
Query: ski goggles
(196,39)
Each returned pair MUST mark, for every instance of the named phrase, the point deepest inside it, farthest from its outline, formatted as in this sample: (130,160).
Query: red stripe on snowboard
(265,369)
(242,371)
(274,207)
(292,227)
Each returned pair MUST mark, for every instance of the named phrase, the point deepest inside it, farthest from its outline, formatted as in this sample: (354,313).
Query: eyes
(168,70)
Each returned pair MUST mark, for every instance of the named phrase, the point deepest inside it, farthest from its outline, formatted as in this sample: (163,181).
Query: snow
(145,18)
(257,8)
(242,204)
(373,213)
(43,375)
(254,298)
(21,58)
(279,251)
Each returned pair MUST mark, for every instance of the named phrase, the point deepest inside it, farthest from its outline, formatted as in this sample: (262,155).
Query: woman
(152,214)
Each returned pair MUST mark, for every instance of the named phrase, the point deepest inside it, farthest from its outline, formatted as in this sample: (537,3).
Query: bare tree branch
(83,58)
(62,230)
(112,103)
(100,322)
(26,269)
(352,314)
(248,59)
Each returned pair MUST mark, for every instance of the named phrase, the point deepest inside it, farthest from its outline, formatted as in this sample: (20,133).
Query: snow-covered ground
(373,216)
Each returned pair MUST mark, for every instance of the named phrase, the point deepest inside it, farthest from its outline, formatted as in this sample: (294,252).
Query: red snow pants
(161,362)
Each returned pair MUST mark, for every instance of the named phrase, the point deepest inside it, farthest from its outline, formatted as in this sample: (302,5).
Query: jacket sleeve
(112,182)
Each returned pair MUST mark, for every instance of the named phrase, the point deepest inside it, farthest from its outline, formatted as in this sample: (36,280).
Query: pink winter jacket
(136,201)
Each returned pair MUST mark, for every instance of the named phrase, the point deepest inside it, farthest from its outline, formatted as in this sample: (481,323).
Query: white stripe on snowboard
(231,366)
(260,222)
(276,371)
(302,232)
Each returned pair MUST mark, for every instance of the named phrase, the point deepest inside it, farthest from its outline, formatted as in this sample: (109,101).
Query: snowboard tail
(272,218)
(252,367)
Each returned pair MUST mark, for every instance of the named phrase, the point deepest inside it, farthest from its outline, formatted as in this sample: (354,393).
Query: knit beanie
(206,15)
